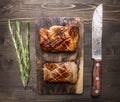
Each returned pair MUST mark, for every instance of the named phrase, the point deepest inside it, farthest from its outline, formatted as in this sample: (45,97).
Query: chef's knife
(97,50)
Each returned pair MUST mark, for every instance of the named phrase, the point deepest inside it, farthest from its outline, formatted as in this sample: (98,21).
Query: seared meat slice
(59,38)
(60,72)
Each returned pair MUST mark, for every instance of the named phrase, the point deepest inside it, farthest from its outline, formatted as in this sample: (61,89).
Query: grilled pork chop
(60,72)
(59,38)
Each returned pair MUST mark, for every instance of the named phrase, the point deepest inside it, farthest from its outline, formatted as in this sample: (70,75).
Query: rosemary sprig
(22,50)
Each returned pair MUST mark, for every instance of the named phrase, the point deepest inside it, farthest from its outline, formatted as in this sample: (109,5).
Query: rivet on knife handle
(97,72)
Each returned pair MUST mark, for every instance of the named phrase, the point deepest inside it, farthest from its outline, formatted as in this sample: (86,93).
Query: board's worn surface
(43,56)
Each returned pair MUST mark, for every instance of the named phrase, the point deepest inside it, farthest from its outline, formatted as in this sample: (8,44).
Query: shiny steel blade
(97,33)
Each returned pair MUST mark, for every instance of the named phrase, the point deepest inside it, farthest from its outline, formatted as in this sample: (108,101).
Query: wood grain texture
(11,89)
(43,57)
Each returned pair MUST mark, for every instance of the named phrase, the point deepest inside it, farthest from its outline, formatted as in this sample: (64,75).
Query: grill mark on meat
(56,43)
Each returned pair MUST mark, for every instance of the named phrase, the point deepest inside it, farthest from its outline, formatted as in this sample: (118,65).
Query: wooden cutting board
(42,57)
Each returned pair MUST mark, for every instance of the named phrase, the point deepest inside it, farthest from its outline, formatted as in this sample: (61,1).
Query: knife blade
(97,51)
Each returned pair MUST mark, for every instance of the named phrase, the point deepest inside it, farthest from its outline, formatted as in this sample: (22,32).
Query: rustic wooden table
(11,89)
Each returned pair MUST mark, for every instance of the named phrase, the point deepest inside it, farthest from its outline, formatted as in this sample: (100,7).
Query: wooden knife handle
(96,78)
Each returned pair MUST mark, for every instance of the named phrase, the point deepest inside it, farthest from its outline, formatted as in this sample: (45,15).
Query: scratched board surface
(43,57)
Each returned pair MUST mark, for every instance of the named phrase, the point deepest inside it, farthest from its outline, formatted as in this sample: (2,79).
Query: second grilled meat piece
(60,72)
(59,38)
